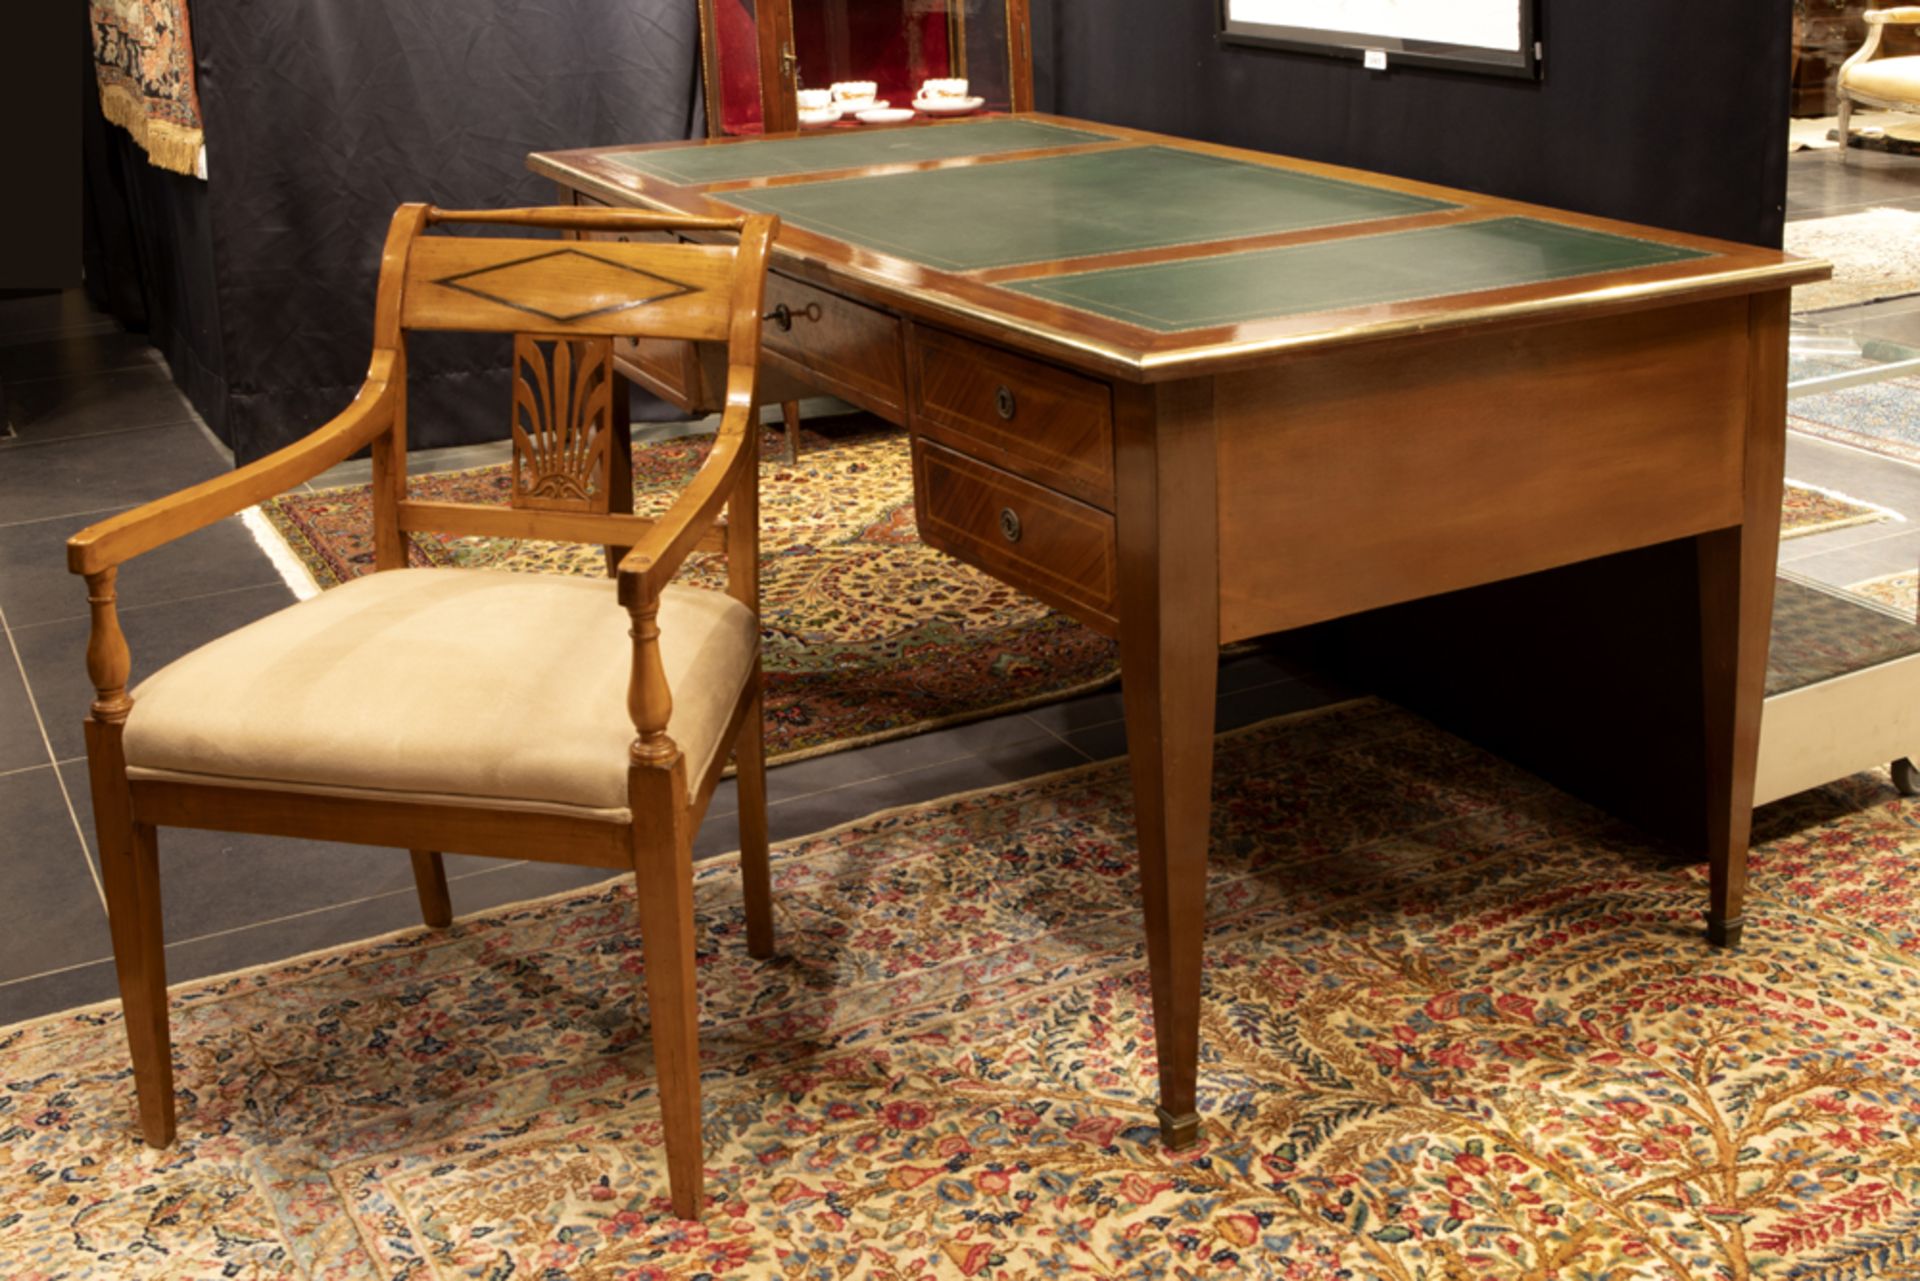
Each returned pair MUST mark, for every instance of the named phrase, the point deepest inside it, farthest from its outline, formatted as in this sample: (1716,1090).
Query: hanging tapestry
(143,59)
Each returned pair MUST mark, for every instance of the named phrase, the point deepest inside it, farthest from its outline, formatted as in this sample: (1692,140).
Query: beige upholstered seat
(1892,84)
(1887,78)
(421,684)
(523,716)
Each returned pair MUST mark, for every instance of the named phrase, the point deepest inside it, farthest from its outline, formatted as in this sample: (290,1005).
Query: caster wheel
(1906,777)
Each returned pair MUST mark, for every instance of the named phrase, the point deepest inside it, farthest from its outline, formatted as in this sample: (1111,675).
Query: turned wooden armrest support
(646,570)
(118,539)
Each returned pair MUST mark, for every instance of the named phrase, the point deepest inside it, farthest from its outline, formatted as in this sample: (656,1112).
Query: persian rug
(1881,417)
(1875,254)
(867,633)
(1898,592)
(143,62)
(1455,1025)
(1808,509)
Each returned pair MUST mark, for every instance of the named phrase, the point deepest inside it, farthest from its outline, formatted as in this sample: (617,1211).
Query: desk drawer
(837,346)
(1031,418)
(1044,543)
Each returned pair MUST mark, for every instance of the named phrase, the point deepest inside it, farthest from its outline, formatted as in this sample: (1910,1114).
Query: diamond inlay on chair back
(562,429)
(578,287)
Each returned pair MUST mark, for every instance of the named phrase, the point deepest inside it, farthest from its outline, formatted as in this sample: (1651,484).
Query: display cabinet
(1825,34)
(1843,672)
(757,54)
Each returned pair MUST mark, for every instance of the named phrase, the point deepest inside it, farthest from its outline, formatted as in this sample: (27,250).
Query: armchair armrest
(119,538)
(1904,16)
(646,569)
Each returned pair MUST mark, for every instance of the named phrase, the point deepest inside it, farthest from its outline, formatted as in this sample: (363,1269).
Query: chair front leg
(130,875)
(129,867)
(430,881)
(663,876)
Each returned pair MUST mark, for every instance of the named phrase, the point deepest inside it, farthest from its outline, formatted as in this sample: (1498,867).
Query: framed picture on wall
(1499,37)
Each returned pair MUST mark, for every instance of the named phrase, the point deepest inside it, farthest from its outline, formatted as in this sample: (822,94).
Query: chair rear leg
(1846,110)
(750,756)
(130,874)
(430,879)
(663,873)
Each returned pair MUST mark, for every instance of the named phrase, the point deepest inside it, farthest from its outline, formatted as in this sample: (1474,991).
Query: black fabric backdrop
(322,115)
(1654,111)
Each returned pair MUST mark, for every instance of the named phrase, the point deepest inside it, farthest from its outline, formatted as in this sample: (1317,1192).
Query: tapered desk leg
(1169,656)
(1736,614)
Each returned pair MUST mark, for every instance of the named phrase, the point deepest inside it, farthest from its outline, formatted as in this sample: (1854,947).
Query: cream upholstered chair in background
(483,712)
(1892,84)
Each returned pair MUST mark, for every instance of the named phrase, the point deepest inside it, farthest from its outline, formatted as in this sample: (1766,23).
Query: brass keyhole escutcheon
(784,315)
(1010,524)
(1003,402)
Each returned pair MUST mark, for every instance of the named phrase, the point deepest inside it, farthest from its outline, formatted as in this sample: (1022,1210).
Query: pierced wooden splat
(562,422)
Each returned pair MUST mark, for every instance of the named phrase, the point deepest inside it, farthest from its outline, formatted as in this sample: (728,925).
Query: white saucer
(948,106)
(883,115)
(854,106)
(820,119)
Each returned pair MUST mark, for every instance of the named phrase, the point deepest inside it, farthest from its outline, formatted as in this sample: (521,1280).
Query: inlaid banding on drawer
(1044,543)
(836,345)
(1029,417)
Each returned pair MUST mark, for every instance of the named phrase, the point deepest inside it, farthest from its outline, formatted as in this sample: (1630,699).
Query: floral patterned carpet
(1457,1026)
(867,633)
(1805,510)
(1898,592)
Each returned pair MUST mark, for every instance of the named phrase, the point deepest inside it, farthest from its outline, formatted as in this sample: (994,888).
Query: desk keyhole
(1003,402)
(784,316)
(1010,524)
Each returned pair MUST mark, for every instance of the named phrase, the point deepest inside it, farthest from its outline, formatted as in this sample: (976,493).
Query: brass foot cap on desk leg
(1179,1131)
(1724,933)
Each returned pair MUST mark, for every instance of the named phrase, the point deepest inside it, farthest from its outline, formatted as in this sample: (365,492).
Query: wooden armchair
(483,712)
(1892,84)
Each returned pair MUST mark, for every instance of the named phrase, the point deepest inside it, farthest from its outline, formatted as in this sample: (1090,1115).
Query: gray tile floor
(98,427)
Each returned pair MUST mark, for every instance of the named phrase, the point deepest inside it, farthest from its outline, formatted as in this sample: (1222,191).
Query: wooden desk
(1191,395)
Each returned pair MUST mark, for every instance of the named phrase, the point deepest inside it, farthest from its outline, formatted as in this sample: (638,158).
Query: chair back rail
(573,287)
(563,301)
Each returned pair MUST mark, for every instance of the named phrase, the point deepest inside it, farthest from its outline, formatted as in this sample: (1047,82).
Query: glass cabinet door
(759,53)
